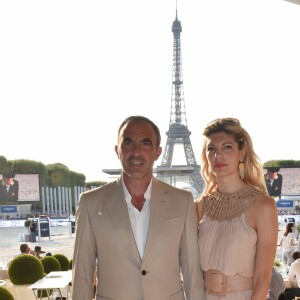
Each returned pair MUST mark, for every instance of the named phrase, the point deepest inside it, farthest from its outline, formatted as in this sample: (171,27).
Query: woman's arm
(263,218)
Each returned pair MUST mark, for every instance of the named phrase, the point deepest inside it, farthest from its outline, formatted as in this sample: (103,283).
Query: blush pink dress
(228,246)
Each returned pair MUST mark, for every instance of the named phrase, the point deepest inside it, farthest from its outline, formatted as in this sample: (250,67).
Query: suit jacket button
(144,272)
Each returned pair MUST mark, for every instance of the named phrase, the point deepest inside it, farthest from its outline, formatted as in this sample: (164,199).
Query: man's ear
(116,150)
(158,152)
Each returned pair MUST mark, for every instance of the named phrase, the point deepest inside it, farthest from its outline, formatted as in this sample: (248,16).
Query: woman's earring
(242,170)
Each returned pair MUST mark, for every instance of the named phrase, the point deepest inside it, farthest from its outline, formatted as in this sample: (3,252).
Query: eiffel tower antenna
(178,132)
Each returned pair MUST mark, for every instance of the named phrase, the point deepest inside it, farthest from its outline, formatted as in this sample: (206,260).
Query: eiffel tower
(178,133)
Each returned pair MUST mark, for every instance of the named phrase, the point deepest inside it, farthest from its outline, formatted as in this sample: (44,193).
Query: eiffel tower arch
(185,176)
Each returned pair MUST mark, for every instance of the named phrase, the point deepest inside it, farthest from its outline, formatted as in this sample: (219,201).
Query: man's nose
(136,146)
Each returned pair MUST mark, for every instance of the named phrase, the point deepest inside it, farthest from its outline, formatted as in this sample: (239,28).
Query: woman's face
(223,154)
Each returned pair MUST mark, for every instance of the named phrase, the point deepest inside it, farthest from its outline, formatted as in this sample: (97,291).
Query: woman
(238,222)
(287,243)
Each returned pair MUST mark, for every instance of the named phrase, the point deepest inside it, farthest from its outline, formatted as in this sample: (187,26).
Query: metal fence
(60,201)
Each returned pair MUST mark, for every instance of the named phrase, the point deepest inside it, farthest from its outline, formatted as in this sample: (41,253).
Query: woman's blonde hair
(254,174)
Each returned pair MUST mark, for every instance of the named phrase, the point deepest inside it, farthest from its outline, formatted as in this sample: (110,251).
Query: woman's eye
(227,147)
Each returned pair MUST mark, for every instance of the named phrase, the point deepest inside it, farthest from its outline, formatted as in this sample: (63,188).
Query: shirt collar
(147,194)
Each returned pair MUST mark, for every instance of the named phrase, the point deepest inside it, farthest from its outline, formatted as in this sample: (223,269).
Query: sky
(71,71)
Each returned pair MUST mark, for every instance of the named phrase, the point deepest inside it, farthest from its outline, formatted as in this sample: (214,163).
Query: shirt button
(144,272)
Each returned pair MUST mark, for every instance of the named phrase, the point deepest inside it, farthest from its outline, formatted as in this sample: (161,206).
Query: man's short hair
(23,248)
(296,255)
(142,119)
(9,175)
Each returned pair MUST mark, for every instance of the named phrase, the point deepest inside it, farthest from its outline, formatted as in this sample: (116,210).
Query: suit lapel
(117,209)
(160,199)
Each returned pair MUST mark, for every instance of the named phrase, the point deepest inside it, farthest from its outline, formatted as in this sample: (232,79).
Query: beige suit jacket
(104,238)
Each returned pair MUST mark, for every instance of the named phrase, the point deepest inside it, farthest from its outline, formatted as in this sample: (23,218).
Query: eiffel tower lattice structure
(178,132)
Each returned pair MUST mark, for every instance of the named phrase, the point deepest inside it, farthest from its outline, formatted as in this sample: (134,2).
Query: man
(9,188)
(273,182)
(33,227)
(24,249)
(139,232)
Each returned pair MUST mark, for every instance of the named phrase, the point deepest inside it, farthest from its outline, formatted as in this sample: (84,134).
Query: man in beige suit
(138,232)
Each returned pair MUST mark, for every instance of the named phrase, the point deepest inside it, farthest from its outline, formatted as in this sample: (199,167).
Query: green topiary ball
(25,269)
(71,263)
(5,294)
(50,264)
(64,261)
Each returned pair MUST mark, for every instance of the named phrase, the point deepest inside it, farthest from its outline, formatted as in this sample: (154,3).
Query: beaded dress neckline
(226,206)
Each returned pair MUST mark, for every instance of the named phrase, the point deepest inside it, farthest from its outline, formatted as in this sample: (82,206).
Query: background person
(287,243)
(277,285)
(9,188)
(25,249)
(38,251)
(238,220)
(33,227)
(294,269)
(273,182)
(140,232)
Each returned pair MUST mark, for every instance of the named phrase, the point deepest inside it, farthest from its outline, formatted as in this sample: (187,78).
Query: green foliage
(60,175)
(50,264)
(64,261)
(71,263)
(27,223)
(5,294)
(25,166)
(5,165)
(298,227)
(52,175)
(277,263)
(282,163)
(25,269)
(77,179)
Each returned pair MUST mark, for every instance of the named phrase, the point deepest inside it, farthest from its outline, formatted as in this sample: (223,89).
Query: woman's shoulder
(263,206)
(264,201)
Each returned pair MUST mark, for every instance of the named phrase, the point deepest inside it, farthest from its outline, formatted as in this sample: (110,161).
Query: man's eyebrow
(126,139)
(147,140)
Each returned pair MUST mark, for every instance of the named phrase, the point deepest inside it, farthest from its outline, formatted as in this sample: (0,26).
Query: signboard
(19,187)
(8,209)
(285,204)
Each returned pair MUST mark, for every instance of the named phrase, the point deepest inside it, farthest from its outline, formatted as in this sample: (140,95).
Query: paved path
(61,242)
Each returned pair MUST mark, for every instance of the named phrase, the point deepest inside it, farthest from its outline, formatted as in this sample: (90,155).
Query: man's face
(137,149)
(9,181)
(273,175)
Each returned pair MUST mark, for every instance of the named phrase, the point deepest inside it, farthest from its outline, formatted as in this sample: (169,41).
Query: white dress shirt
(139,219)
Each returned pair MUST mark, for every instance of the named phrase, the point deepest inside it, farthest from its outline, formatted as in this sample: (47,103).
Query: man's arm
(189,255)
(84,256)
